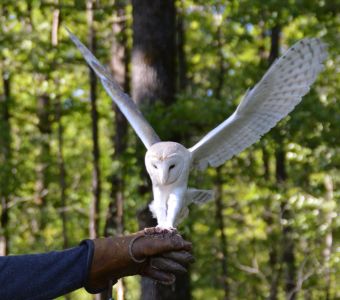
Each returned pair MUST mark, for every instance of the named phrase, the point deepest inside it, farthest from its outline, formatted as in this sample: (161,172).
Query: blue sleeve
(45,276)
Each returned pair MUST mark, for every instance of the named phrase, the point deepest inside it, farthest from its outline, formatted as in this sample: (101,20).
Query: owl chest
(163,193)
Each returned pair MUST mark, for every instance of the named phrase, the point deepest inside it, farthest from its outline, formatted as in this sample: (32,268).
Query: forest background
(72,168)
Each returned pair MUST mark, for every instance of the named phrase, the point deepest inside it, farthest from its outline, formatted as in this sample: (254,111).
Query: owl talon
(165,230)
(160,230)
(150,230)
(173,230)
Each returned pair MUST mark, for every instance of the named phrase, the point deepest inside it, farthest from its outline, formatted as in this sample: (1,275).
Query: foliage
(310,137)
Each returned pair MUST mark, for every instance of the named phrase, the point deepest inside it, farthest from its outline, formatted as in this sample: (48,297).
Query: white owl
(169,163)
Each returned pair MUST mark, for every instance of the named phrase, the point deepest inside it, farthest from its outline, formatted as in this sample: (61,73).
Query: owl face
(167,162)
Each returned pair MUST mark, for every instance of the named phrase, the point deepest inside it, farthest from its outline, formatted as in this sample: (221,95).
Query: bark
(265,161)
(329,237)
(96,183)
(274,44)
(43,159)
(274,259)
(218,180)
(275,267)
(280,162)
(153,78)
(180,43)
(55,24)
(5,161)
(119,67)
(43,164)
(220,77)
(223,239)
(265,62)
(288,255)
(62,172)
(308,294)
(153,54)
(60,130)
(274,262)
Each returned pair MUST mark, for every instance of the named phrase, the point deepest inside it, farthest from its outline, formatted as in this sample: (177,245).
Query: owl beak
(163,176)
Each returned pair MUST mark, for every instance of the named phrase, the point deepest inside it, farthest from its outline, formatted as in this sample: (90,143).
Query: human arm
(91,265)
(44,276)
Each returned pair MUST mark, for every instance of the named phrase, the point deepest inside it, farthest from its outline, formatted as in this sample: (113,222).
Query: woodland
(71,167)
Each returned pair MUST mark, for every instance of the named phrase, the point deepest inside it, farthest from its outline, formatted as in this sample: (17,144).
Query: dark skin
(159,255)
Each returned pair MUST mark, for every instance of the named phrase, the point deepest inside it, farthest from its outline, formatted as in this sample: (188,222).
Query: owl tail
(198,197)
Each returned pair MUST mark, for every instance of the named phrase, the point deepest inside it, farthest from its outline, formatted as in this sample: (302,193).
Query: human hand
(158,255)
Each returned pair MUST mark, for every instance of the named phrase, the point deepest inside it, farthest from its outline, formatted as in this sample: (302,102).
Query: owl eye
(154,166)
(171,167)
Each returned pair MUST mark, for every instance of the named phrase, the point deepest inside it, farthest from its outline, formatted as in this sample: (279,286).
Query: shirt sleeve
(45,276)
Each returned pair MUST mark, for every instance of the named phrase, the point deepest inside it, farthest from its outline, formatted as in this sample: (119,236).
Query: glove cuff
(90,246)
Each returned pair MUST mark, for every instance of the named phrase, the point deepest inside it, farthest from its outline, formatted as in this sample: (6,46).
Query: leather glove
(158,255)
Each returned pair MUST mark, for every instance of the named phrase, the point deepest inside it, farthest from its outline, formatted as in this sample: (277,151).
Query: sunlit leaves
(251,202)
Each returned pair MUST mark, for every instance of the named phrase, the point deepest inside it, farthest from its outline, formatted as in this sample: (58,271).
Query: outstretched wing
(122,100)
(278,92)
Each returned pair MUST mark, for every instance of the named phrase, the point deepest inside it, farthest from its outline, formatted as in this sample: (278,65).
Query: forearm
(44,276)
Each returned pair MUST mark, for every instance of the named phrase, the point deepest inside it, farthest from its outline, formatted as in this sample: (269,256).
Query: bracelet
(139,261)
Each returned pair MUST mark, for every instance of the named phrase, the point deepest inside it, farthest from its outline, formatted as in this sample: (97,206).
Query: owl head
(167,162)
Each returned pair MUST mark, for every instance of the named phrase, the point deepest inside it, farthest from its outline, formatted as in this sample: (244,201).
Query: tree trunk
(329,236)
(275,268)
(288,256)
(180,43)
(5,162)
(218,181)
(119,66)
(62,172)
(43,159)
(221,73)
(153,78)
(153,54)
(221,226)
(55,24)
(60,133)
(43,165)
(96,183)
(265,161)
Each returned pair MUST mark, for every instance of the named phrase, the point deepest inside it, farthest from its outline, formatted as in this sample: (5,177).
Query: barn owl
(169,163)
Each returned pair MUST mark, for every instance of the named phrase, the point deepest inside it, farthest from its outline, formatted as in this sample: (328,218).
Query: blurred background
(72,168)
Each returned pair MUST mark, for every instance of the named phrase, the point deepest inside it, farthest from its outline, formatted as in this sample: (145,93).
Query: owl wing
(122,100)
(279,91)
(198,196)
